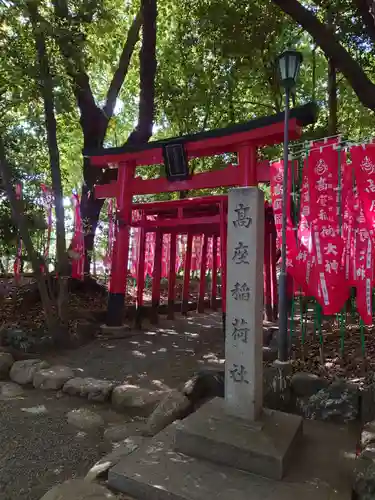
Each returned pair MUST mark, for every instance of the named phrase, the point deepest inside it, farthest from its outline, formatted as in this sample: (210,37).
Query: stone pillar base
(263,447)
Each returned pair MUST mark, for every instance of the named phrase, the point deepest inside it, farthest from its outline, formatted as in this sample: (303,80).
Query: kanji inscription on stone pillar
(244,318)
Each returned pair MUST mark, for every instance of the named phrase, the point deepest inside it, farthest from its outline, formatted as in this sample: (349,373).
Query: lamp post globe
(288,65)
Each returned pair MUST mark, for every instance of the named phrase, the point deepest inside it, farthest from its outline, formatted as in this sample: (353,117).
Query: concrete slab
(262,447)
(157,472)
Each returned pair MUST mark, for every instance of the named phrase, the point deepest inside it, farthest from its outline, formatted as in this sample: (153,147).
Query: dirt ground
(162,356)
(39,450)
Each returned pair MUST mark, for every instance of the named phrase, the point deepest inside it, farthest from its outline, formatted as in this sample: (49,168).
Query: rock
(367,443)
(116,433)
(368,434)
(338,402)
(269,354)
(93,389)
(367,397)
(123,450)
(85,419)
(6,362)
(135,400)
(26,341)
(174,406)
(78,489)
(277,392)
(206,384)
(364,486)
(10,390)
(306,384)
(22,372)
(270,336)
(52,378)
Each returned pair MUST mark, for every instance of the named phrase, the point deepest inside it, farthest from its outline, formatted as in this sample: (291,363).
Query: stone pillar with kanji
(244,320)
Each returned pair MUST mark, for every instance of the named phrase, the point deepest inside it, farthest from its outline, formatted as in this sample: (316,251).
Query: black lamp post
(288,64)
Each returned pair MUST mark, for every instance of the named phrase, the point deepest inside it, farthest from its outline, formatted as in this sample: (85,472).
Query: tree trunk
(46,88)
(332,84)
(332,99)
(91,207)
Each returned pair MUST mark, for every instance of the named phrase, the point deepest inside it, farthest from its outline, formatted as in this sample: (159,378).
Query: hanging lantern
(175,161)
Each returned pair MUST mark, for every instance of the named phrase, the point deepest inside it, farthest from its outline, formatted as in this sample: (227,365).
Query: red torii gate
(243,139)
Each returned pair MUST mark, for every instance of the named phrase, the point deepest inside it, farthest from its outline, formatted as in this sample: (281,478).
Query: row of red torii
(205,216)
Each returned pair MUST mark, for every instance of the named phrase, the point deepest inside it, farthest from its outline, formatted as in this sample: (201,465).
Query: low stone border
(307,394)
(159,407)
(338,400)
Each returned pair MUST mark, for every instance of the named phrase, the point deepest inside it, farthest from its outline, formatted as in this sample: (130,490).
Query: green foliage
(215,67)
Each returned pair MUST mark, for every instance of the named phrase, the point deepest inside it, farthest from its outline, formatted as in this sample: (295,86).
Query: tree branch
(366,10)
(91,115)
(327,41)
(123,66)
(147,58)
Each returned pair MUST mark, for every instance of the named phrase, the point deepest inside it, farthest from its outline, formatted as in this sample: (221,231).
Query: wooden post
(120,253)
(247,160)
(156,276)
(140,276)
(223,258)
(267,270)
(214,273)
(172,276)
(202,281)
(187,268)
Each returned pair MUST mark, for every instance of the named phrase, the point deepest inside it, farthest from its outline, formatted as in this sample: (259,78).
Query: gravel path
(158,357)
(41,450)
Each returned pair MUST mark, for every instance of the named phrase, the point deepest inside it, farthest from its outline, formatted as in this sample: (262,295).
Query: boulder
(270,336)
(85,419)
(10,390)
(175,405)
(127,447)
(6,362)
(26,341)
(119,432)
(306,384)
(367,443)
(367,396)
(206,384)
(135,400)
(269,354)
(364,486)
(22,372)
(337,402)
(90,388)
(78,489)
(52,378)
(277,393)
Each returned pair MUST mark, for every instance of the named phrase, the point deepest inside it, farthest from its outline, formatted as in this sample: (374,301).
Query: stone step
(157,472)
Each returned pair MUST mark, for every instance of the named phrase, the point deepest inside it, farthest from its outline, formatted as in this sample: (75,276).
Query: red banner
(327,282)
(77,244)
(276,179)
(362,228)
(363,159)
